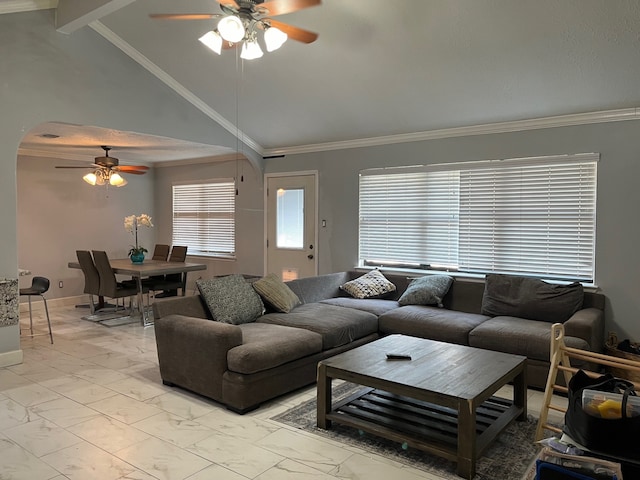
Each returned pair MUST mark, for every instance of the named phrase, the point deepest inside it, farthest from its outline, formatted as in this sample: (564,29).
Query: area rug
(509,457)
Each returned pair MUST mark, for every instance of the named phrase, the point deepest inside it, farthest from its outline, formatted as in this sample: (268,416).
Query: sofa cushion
(231,299)
(377,306)
(276,293)
(431,322)
(530,298)
(519,336)
(371,284)
(267,346)
(427,290)
(337,325)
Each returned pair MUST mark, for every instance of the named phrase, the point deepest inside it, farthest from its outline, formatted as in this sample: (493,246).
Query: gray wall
(81,79)
(249,213)
(59,213)
(618,225)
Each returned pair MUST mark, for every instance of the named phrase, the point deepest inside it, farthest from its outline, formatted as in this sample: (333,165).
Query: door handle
(310,256)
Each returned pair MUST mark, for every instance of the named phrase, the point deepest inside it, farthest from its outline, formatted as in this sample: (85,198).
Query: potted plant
(131,223)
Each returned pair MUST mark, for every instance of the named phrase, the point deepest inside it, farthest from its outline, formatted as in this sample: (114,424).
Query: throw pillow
(371,284)
(427,290)
(276,293)
(231,299)
(530,298)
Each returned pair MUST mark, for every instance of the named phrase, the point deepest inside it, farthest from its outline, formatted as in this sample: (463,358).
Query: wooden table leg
(466,466)
(520,393)
(324,397)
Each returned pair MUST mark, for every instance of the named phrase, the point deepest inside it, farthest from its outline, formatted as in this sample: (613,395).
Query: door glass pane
(290,218)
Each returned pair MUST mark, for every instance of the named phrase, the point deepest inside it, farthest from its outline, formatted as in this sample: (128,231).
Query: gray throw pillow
(370,285)
(231,299)
(276,293)
(427,290)
(530,298)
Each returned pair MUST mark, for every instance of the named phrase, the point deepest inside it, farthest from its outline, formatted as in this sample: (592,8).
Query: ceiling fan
(242,19)
(106,170)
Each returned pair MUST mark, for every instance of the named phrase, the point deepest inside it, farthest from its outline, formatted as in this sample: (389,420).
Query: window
(533,216)
(204,217)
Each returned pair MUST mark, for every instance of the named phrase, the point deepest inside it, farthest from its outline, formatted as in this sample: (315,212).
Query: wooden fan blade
(229,3)
(295,33)
(135,169)
(184,16)
(280,7)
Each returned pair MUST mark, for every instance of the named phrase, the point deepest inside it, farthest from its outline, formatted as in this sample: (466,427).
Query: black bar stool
(39,285)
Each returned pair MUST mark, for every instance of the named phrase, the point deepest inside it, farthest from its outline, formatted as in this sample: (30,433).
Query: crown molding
(485,129)
(172,83)
(14,6)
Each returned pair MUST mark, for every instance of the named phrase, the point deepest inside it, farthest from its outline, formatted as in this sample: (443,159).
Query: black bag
(619,438)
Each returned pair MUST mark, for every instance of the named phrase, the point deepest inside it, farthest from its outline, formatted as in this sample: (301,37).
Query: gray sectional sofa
(245,365)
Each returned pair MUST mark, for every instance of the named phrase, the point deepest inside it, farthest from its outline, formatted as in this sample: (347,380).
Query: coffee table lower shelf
(419,424)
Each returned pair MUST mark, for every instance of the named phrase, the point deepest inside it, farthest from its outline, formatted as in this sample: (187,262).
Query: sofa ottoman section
(429,322)
(267,346)
(337,325)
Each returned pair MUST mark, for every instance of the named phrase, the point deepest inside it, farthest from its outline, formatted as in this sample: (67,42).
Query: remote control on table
(398,356)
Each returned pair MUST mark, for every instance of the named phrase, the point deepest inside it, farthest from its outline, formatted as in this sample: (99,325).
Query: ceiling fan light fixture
(251,50)
(90,178)
(213,40)
(116,180)
(274,38)
(101,179)
(231,29)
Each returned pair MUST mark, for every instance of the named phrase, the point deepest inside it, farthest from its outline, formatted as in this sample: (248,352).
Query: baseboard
(11,358)
(37,304)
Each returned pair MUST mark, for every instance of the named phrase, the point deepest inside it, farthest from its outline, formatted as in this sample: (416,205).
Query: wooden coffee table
(440,401)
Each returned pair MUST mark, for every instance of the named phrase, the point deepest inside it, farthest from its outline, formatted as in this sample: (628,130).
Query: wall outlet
(60,284)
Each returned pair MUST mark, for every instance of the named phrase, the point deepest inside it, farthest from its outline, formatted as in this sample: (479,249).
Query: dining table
(139,271)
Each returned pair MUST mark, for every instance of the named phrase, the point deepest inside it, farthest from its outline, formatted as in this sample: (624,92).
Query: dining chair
(160,252)
(91,276)
(39,286)
(173,281)
(109,285)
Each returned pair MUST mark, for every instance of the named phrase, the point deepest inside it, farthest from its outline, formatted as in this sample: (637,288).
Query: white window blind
(204,217)
(399,212)
(523,216)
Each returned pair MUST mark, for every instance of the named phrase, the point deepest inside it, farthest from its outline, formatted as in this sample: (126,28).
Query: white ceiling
(381,69)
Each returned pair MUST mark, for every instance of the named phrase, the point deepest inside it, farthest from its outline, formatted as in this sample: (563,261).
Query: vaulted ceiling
(386,71)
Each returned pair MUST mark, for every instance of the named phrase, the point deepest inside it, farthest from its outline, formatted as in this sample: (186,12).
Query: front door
(291,226)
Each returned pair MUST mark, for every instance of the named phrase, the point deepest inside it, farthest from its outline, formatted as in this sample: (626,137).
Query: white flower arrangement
(131,224)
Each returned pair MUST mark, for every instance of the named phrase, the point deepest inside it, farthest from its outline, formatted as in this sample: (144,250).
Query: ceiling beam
(74,14)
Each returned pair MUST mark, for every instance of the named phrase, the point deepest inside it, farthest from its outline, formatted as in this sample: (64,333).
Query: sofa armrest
(587,324)
(192,352)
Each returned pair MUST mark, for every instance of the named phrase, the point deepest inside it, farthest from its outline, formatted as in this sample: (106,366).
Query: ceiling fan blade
(135,169)
(229,4)
(295,33)
(184,16)
(280,7)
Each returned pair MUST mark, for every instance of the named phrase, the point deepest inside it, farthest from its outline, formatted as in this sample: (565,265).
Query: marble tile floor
(92,406)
